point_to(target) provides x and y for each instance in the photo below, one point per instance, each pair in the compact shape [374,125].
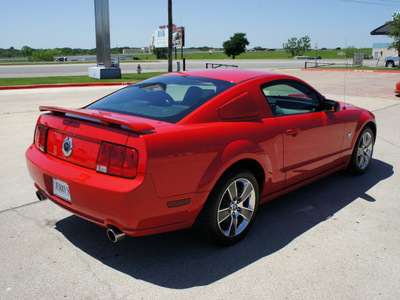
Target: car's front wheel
[230,209]
[362,153]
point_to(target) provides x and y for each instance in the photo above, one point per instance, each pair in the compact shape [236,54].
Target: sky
[70,23]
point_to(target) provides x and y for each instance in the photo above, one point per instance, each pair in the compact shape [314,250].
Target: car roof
[232,75]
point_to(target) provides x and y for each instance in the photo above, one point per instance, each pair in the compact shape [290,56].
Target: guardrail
[316,64]
[214,65]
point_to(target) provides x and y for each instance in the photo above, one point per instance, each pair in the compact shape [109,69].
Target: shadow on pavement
[182,259]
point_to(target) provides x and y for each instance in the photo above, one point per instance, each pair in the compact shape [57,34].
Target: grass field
[131,77]
[325,54]
[278,54]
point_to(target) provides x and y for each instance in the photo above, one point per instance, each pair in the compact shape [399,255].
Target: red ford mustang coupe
[200,148]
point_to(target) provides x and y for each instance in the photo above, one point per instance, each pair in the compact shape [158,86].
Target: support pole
[103,69]
[170,29]
[102,23]
[183,60]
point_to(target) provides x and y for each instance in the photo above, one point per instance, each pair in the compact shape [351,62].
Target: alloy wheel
[236,207]
[364,151]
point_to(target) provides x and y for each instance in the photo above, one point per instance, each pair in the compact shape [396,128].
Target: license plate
[61,190]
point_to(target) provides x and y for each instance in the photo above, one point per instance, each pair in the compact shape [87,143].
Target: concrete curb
[44,86]
[354,71]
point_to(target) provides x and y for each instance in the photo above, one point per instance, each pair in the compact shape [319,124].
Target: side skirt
[291,188]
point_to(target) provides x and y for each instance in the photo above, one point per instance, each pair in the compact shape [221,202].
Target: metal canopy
[383,30]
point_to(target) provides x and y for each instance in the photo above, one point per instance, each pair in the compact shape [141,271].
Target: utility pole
[170,29]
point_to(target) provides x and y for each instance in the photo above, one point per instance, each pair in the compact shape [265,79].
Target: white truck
[392,61]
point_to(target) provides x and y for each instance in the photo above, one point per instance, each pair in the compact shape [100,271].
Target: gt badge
[67,146]
[349,135]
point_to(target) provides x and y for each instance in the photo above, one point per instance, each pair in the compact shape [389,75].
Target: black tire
[362,152]
[230,208]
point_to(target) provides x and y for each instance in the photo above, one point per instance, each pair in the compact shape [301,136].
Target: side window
[290,98]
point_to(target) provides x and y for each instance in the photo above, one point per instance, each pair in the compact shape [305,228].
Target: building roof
[382,30]
[381,45]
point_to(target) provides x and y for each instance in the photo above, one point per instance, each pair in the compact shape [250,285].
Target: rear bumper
[131,205]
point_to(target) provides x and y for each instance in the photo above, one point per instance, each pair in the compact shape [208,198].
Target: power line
[380,3]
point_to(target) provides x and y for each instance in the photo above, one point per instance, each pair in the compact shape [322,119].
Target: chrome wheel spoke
[246,213]
[232,191]
[360,151]
[361,161]
[364,140]
[368,142]
[233,226]
[223,214]
[248,189]
[368,154]
[228,231]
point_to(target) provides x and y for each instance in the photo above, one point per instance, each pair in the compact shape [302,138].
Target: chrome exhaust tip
[115,235]
[40,196]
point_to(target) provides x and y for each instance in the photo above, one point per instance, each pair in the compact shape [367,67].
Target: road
[337,238]
[14,71]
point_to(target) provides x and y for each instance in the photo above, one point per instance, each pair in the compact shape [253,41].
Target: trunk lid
[87,129]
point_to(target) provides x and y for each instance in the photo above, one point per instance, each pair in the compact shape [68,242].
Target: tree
[161,53]
[349,51]
[205,48]
[259,48]
[41,55]
[299,46]
[54,52]
[292,46]
[305,44]
[26,51]
[395,33]
[236,45]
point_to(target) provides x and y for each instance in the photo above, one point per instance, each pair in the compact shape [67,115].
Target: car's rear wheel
[390,64]
[230,209]
[362,153]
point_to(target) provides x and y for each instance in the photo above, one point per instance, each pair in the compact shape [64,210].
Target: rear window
[167,99]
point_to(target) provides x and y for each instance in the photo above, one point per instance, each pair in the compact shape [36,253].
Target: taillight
[117,160]
[41,137]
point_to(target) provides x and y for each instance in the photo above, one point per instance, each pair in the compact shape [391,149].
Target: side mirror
[337,106]
[330,105]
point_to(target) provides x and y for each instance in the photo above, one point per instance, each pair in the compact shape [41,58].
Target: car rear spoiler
[106,118]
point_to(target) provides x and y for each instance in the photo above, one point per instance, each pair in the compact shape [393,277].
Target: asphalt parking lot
[337,238]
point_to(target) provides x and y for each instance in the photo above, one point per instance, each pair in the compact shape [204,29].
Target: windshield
[165,98]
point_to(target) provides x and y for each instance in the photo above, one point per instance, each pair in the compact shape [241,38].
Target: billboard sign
[178,37]
[161,37]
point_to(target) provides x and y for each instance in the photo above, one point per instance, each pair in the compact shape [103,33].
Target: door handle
[293,131]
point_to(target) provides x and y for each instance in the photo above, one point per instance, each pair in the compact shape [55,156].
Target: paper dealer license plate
[61,190]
